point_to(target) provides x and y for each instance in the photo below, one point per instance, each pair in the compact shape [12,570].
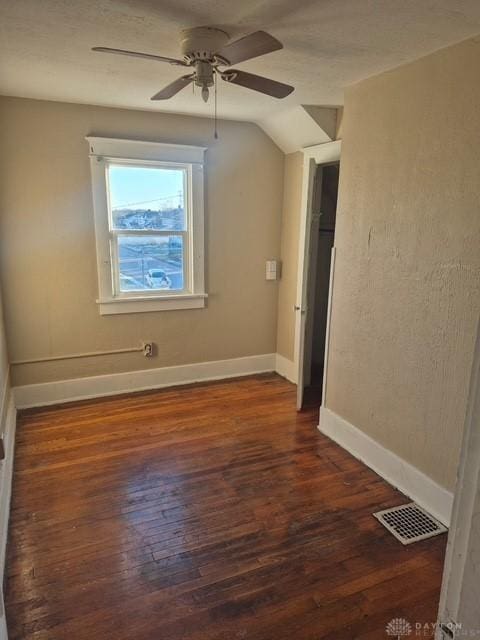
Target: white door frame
[312,156]
[463,537]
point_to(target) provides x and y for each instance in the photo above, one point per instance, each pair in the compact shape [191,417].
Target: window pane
[146,198]
[150,263]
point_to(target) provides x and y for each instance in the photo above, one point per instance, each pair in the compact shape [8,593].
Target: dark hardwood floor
[204,512]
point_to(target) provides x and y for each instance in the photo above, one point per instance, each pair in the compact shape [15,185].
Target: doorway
[316,161]
[322,235]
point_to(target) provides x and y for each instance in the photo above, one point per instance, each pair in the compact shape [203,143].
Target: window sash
[187,239]
[186,266]
[149,232]
[149,164]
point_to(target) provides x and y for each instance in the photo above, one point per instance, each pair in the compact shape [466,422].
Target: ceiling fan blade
[257,83]
[251,46]
[173,88]
[138,54]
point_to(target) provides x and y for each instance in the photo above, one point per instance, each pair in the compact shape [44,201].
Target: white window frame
[115,151]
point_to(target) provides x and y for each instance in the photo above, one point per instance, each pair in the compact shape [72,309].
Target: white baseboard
[43,394]
[285,368]
[408,479]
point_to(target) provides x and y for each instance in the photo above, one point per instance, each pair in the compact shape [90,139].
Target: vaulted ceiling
[328,44]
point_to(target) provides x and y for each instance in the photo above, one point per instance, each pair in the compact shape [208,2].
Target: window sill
[143,304]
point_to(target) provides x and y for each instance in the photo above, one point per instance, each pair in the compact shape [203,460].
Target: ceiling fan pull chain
[215,134]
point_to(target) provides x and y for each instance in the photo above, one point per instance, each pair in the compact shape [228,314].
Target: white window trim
[103,150]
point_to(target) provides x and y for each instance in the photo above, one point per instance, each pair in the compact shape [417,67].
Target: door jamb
[327,332]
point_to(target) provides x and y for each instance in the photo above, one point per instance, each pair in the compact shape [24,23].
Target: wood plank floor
[205,512]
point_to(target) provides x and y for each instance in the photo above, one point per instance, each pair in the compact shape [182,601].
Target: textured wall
[292,197]
[407,280]
[47,241]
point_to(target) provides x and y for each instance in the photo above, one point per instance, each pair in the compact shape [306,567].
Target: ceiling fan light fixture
[205,93]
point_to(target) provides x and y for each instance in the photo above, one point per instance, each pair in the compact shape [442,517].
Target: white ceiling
[329,44]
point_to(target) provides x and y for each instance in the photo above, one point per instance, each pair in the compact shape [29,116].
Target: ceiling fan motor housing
[202,43]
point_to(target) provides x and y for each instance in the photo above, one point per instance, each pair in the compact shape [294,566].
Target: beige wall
[48,247]
[407,279]
[292,195]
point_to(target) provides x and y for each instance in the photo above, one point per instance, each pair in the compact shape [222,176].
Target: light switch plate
[272,270]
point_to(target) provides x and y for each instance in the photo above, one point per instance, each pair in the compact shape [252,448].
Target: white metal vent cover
[409,523]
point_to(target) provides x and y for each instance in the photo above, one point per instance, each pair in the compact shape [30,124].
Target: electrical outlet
[147,349]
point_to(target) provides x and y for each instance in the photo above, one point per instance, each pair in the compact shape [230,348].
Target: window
[148,203]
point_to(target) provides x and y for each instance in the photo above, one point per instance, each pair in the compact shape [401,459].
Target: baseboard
[47,393]
[408,479]
[6,471]
[285,368]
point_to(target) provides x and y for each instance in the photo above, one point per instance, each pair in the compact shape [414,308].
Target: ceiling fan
[206,50]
